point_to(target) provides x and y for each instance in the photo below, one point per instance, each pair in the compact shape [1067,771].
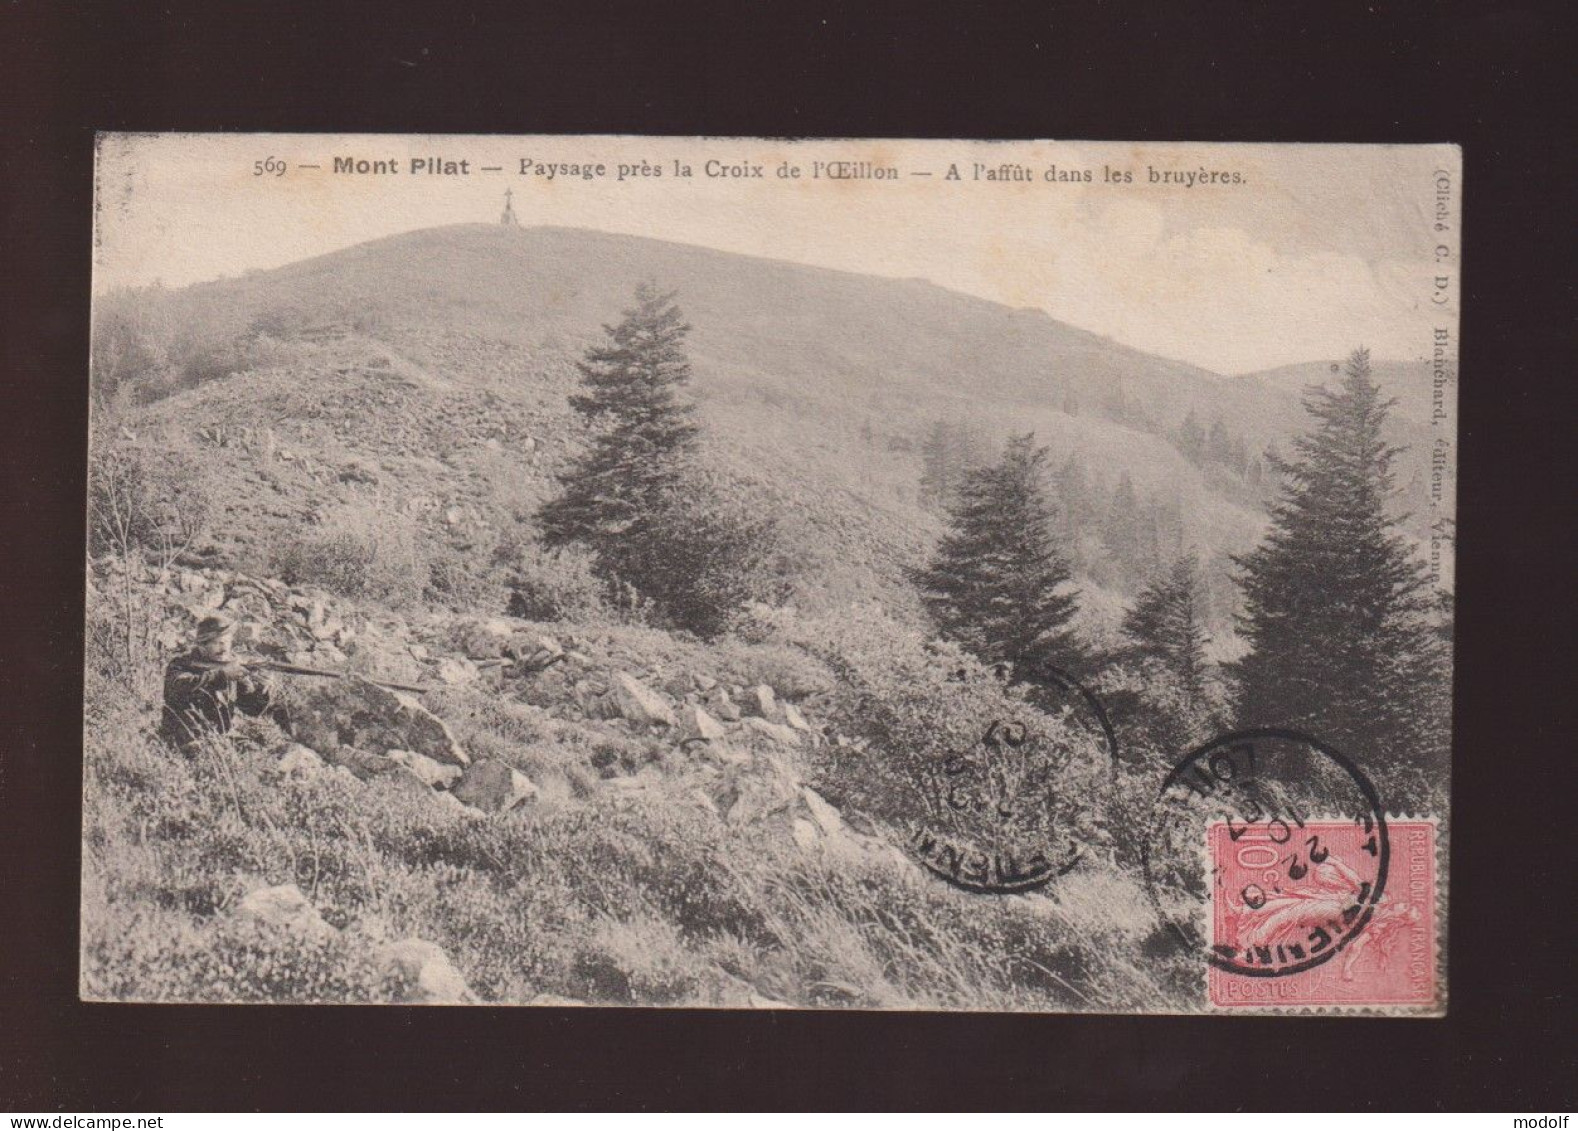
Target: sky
[1312,251]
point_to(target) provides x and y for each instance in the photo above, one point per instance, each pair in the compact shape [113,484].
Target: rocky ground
[518,726]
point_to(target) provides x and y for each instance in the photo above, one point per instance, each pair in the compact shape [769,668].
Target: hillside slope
[818,385]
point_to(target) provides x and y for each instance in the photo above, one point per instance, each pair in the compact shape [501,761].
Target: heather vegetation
[764,622]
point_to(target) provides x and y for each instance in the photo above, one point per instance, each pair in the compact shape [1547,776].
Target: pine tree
[1122,531]
[949,451]
[1336,606]
[1167,626]
[1238,456]
[997,584]
[643,433]
[936,472]
[1164,643]
[1218,445]
[1191,438]
[1073,499]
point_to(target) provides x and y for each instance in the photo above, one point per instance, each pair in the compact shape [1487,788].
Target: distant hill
[818,385]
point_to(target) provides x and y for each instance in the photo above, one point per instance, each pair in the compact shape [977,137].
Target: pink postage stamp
[1333,913]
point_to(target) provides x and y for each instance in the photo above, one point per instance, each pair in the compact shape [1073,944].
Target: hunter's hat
[213,627]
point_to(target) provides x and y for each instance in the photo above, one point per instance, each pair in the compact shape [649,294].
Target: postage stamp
[1294,923]
[1273,862]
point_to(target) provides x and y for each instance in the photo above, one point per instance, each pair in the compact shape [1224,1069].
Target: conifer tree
[936,465]
[1166,626]
[1073,499]
[1337,609]
[643,433]
[1122,530]
[997,584]
[949,451]
[1218,445]
[1192,438]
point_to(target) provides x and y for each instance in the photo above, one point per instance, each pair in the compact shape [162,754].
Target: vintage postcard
[762,574]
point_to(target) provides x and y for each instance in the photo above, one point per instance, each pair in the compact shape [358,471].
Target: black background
[1493,76]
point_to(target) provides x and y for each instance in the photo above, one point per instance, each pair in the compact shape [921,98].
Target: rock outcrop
[356,712]
[297,761]
[493,787]
[761,702]
[638,703]
[283,906]
[436,774]
[422,974]
[697,725]
[776,732]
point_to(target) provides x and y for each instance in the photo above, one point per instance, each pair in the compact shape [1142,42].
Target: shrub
[931,721]
[121,642]
[459,580]
[788,669]
[554,585]
[137,503]
[701,555]
[154,957]
[360,551]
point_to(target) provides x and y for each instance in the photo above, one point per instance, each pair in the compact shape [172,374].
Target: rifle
[538,661]
[532,664]
[298,669]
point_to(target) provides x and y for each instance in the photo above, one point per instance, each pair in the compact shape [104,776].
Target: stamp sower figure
[206,686]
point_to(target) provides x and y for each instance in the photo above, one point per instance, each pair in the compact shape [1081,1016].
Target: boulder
[727,754]
[695,723]
[805,834]
[762,703]
[325,629]
[283,906]
[482,639]
[794,718]
[423,973]
[366,766]
[435,774]
[456,672]
[723,705]
[777,732]
[637,702]
[493,787]
[380,651]
[822,826]
[748,795]
[327,713]
[449,801]
[827,818]
[298,761]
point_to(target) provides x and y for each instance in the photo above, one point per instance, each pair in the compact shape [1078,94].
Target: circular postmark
[1006,813]
[1267,852]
